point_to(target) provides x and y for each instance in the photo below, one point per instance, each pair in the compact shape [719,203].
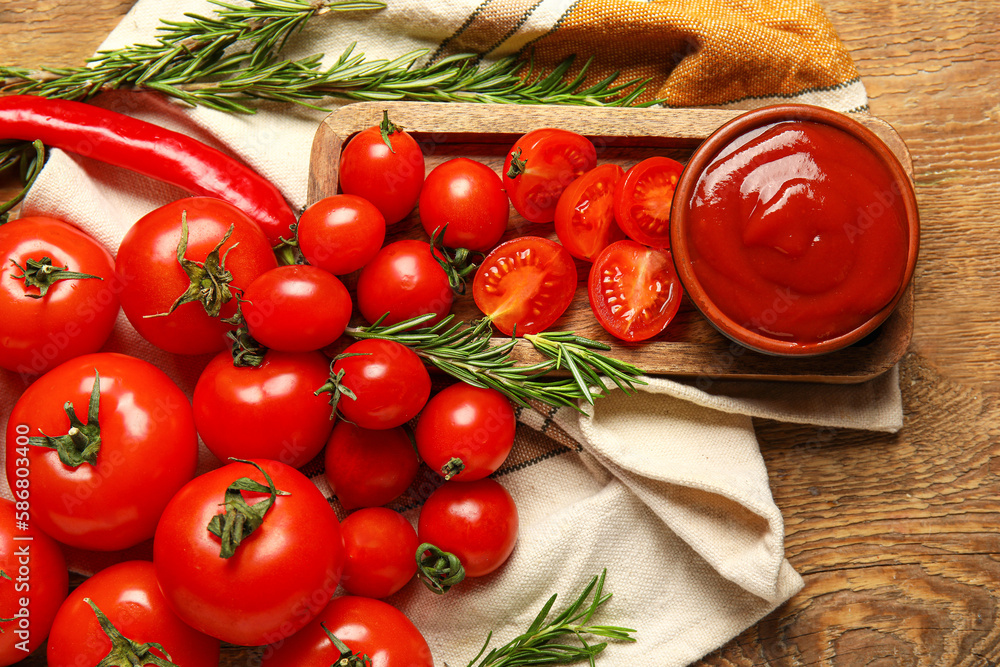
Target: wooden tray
[690,346]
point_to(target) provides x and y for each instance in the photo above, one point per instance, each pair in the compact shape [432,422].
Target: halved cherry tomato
[527,282]
[545,162]
[585,216]
[643,198]
[468,197]
[634,290]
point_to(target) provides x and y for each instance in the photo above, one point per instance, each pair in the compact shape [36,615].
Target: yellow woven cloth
[695,53]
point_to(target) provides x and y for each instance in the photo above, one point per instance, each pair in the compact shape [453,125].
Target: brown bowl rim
[707,151]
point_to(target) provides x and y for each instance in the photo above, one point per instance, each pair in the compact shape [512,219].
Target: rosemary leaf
[229,60]
[545,641]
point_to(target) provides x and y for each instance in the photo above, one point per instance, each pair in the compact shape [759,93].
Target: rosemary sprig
[193,61]
[543,642]
[464,351]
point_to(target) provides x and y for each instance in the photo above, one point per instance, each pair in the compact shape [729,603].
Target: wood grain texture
[690,346]
[896,535]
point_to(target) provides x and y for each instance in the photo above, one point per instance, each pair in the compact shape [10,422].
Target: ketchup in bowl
[797,233]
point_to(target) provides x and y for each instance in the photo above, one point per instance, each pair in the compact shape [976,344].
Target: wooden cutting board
[690,346]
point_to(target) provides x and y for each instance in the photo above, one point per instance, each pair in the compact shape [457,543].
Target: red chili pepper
[147,149]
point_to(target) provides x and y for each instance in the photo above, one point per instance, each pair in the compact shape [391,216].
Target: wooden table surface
[895,535]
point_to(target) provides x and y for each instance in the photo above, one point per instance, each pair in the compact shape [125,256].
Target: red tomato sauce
[798,232]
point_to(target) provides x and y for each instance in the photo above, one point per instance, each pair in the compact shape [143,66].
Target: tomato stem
[454,466]
[517,165]
[439,570]
[83,441]
[348,658]
[387,127]
[209,280]
[240,519]
[42,274]
[126,652]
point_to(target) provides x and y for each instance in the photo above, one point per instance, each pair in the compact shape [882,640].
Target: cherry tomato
[153,279]
[404,280]
[267,411]
[34,571]
[129,596]
[296,308]
[389,178]
[527,282]
[468,197]
[634,290]
[585,216]
[279,577]
[389,381]
[340,234]
[547,160]
[380,545]
[465,433]
[368,468]
[148,449]
[367,626]
[643,198]
[74,317]
[477,521]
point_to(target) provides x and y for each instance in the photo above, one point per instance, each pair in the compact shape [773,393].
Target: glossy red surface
[796,230]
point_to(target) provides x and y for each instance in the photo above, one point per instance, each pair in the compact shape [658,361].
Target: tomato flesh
[643,198]
[527,283]
[552,160]
[585,216]
[634,290]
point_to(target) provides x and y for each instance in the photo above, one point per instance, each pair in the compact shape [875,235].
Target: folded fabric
[666,488]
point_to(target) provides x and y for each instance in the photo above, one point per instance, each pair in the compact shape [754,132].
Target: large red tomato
[366,626]
[123,451]
[153,278]
[278,577]
[389,382]
[130,598]
[390,178]
[540,165]
[268,411]
[46,319]
[34,580]
[477,521]
[468,198]
[465,432]
[527,282]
